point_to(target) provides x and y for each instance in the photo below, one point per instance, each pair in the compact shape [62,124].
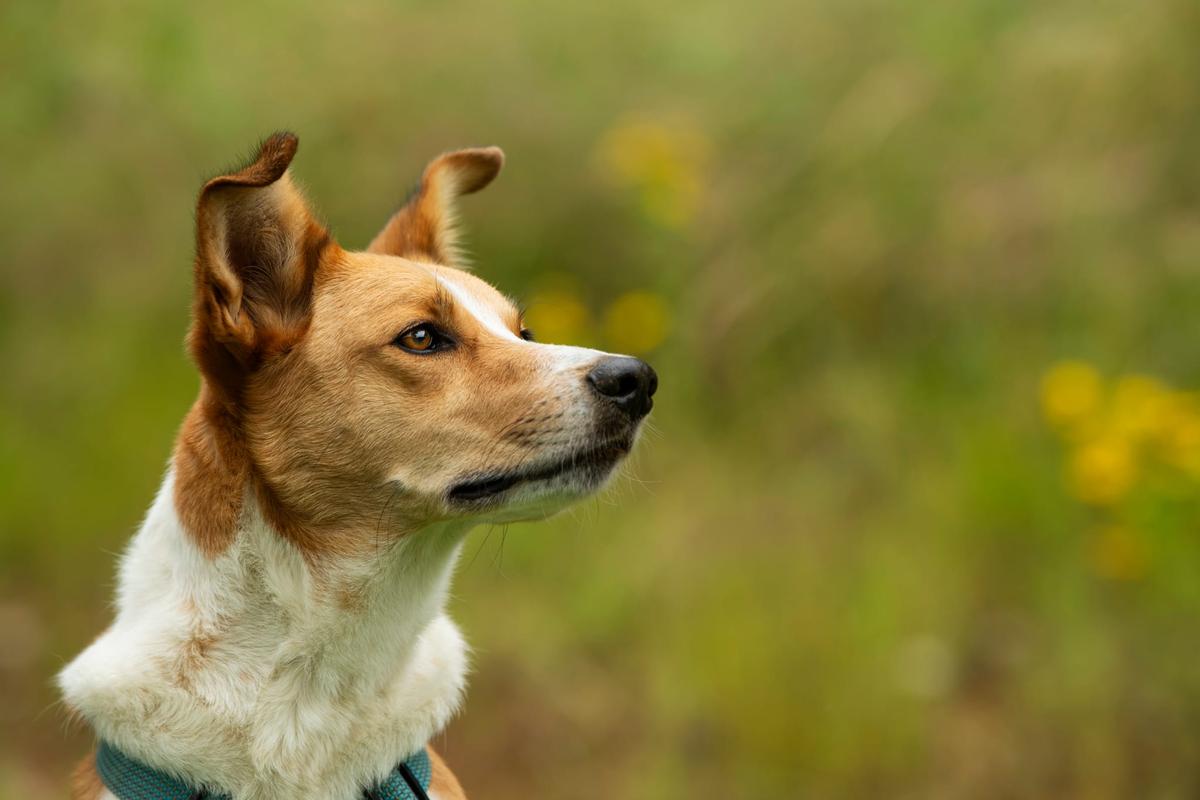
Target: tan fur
[192,655]
[424,228]
[318,476]
[295,352]
[444,785]
[85,780]
[211,469]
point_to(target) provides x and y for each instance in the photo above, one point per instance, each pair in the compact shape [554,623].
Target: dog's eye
[422,339]
[527,334]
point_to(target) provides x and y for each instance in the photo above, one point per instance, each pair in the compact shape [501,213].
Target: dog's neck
[262,676]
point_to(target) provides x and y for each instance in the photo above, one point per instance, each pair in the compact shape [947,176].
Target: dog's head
[386,389]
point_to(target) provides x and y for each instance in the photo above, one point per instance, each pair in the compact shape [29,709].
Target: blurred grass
[848,561]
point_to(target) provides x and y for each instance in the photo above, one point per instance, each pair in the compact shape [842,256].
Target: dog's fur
[280,628]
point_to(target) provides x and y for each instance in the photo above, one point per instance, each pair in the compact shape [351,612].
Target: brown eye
[422,339]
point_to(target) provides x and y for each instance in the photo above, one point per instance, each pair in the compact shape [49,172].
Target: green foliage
[851,236]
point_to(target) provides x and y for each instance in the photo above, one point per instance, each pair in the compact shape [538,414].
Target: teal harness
[133,780]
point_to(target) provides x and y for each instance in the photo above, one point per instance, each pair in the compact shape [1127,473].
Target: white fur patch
[482,312]
[288,694]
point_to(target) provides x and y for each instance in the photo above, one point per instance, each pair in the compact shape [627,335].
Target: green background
[845,562]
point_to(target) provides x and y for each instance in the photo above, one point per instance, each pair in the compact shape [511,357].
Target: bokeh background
[919,513]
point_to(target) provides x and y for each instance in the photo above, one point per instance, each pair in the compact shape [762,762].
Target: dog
[280,628]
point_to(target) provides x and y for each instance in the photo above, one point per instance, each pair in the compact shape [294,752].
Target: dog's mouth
[591,465]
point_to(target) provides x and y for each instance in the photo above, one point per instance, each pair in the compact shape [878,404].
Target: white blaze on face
[485,314]
[559,358]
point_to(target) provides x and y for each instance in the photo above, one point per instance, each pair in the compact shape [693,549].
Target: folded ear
[424,229]
[257,250]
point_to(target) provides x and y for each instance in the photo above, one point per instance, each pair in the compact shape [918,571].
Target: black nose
[628,382]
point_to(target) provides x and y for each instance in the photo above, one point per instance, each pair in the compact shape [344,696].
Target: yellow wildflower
[1179,435]
[636,322]
[662,162]
[1102,472]
[1139,406]
[558,316]
[1071,393]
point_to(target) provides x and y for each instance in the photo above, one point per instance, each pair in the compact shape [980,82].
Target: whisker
[383,512]
[479,549]
[498,562]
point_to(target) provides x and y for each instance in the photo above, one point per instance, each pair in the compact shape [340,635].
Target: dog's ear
[424,228]
[257,250]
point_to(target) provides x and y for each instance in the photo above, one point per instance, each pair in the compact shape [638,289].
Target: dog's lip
[482,487]
[490,484]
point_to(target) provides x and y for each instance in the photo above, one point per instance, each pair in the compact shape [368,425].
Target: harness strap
[129,779]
